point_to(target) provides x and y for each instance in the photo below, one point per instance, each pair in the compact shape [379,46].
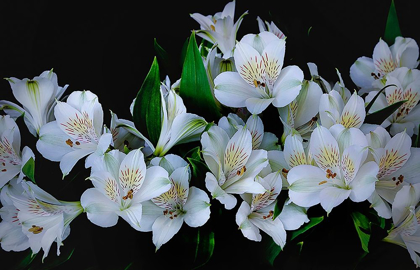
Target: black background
[107,47]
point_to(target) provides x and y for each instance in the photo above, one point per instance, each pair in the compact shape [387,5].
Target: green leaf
[277,209]
[270,250]
[148,105]
[162,55]
[54,263]
[26,261]
[392,28]
[417,142]
[195,88]
[362,225]
[29,169]
[379,116]
[313,221]
[204,247]
[375,97]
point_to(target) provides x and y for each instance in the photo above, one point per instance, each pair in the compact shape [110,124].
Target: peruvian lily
[261,79]
[402,84]
[37,97]
[233,164]
[43,218]
[121,184]
[220,29]
[301,114]
[398,166]
[406,219]
[260,139]
[77,132]
[338,86]
[12,238]
[333,110]
[178,126]
[257,212]
[365,70]
[165,214]
[270,27]
[12,159]
[338,175]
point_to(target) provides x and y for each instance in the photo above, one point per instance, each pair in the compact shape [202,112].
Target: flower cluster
[331,144]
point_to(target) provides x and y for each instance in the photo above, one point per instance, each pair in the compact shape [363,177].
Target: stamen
[35,229]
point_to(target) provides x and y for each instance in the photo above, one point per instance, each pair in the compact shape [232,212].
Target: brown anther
[77,143]
[314,119]
[69,142]
[35,229]
[322,182]
[129,195]
[241,171]
[4,170]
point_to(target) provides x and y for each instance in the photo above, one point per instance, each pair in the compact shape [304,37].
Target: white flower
[121,183]
[220,29]
[77,132]
[256,212]
[339,174]
[12,159]
[11,235]
[406,218]
[402,84]
[37,97]
[261,79]
[397,167]
[43,218]
[165,214]
[365,70]
[233,164]
[270,27]
[178,126]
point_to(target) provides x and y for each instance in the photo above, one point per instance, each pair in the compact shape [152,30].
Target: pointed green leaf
[392,28]
[29,169]
[195,88]
[379,116]
[313,221]
[148,105]
[26,261]
[277,209]
[375,97]
[362,225]
[270,250]
[204,247]
[162,55]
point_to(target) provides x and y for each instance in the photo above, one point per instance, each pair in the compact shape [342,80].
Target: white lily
[260,138]
[301,114]
[165,214]
[233,164]
[338,175]
[12,159]
[402,84]
[406,218]
[37,96]
[397,167]
[43,218]
[220,29]
[261,79]
[270,27]
[178,126]
[365,70]
[256,212]
[121,184]
[77,132]
[12,237]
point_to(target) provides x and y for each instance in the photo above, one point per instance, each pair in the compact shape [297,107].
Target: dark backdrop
[107,47]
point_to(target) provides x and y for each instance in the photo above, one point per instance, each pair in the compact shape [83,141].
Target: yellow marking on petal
[348,168]
[385,66]
[390,162]
[350,120]
[328,157]
[212,27]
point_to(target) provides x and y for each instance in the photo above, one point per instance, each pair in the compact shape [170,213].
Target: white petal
[331,197]
[232,91]
[353,114]
[256,127]
[306,183]
[99,209]
[164,229]
[273,228]
[308,102]
[70,159]
[52,142]
[382,58]
[287,86]
[381,206]
[293,216]
[248,229]
[228,200]
[132,215]
[197,207]
[155,183]
[324,149]
[361,70]
[257,105]
[363,185]
[249,64]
